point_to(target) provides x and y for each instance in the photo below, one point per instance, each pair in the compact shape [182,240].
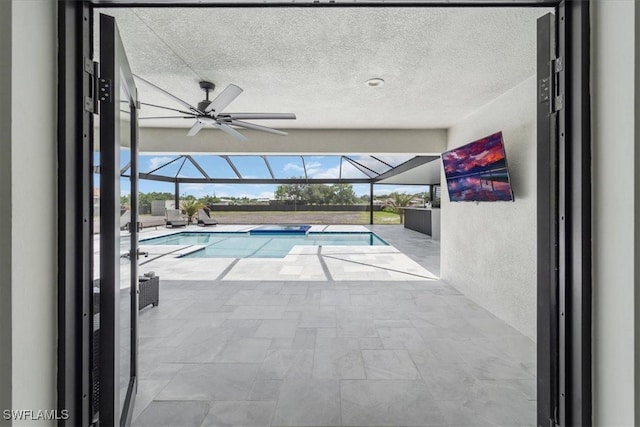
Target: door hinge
[105,90]
[89,104]
[557,65]
[91,68]
[557,104]
[544,90]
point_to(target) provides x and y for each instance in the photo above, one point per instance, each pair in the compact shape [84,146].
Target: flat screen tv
[478,171]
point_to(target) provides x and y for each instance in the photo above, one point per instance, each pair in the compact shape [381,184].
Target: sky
[255,167]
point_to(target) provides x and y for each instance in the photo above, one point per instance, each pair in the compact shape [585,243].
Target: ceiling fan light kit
[209,112]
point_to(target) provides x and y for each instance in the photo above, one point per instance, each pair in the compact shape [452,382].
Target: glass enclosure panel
[350,171]
[146,186]
[152,196]
[362,191]
[286,166]
[371,162]
[215,166]
[322,167]
[251,166]
[148,163]
[125,156]
[395,159]
[369,165]
[171,169]
[190,171]
[126,247]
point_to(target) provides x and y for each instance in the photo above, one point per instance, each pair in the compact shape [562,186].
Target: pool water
[244,245]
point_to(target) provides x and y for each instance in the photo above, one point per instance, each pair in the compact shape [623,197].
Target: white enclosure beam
[299,141]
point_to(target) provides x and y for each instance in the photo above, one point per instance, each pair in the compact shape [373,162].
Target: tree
[281,192]
[293,192]
[296,191]
[318,194]
[343,194]
[145,199]
[395,202]
[209,200]
[125,201]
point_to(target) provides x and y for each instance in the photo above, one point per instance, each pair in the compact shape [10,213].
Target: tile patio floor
[331,352]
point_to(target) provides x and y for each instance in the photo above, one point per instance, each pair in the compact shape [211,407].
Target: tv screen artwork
[478,171]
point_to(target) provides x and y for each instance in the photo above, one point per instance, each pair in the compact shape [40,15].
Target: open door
[547,171]
[115,354]
[564,217]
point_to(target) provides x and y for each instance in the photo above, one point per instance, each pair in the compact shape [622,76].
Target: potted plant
[190,207]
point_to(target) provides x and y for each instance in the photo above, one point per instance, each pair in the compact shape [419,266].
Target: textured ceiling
[439,64]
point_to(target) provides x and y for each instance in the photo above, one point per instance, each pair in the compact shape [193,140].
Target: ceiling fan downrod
[207,87]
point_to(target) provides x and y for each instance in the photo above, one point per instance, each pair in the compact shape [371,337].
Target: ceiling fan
[209,112]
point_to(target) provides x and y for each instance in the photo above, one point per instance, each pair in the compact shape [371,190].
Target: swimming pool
[245,245]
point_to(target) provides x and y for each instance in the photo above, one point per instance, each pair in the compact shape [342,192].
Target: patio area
[397,350]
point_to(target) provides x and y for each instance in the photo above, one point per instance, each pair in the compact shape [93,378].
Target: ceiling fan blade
[231,131]
[196,128]
[166,108]
[225,98]
[256,116]
[257,127]
[175,98]
[166,117]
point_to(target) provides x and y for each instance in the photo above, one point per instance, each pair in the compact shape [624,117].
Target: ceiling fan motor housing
[202,105]
[206,87]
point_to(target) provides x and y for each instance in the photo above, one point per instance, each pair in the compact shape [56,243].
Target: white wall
[488,250]
[33,203]
[616,167]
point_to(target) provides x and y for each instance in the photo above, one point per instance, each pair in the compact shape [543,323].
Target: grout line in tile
[324,265]
[227,270]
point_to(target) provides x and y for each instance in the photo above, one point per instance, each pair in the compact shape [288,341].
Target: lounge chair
[204,218]
[174,218]
[125,219]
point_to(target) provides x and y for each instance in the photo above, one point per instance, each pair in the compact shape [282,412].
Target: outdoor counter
[424,220]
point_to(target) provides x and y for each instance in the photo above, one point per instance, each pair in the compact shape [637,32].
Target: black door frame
[570,207]
[114,69]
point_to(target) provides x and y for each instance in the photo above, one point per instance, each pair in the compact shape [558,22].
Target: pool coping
[344,263]
[191,249]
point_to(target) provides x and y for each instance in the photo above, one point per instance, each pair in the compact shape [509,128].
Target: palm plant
[190,208]
[395,202]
